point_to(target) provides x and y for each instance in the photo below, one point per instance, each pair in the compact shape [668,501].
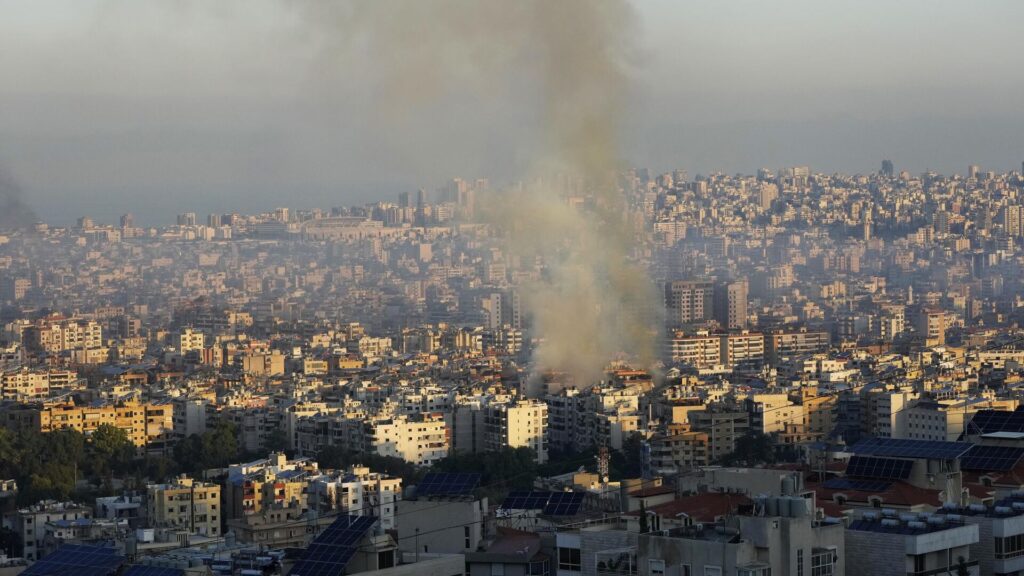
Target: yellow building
[185,504]
[142,422]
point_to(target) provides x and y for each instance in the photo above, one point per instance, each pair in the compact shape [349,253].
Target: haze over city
[163,107]
[511,288]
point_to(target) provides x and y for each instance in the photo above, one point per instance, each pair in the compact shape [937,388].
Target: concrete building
[777,536]
[185,504]
[357,492]
[30,524]
[689,302]
[887,544]
[521,424]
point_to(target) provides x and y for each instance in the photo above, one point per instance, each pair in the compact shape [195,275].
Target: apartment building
[185,504]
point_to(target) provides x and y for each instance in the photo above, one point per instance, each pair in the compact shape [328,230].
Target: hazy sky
[164,107]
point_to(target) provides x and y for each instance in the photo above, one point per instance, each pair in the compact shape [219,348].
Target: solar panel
[448,484]
[991,458]
[989,421]
[857,485]
[564,504]
[526,500]
[880,468]
[904,448]
[77,560]
[142,570]
[332,549]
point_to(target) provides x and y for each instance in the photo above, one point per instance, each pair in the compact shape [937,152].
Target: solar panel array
[991,458]
[549,503]
[524,500]
[879,468]
[78,560]
[331,551]
[142,570]
[448,484]
[989,421]
[857,485]
[903,448]
[564,504]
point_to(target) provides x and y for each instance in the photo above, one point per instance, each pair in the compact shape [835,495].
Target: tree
[751,449]
[961,567]
[629,461]
[277,441]
[216,448]
[112,450]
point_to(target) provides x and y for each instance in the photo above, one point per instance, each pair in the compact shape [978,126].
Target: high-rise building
[887,168]
[688,302]
[973,170]
[931,326]
[127,221]
[730,303]
[940,222]
[187,219]
[1010,218]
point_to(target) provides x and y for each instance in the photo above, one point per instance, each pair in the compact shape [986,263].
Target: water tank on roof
[1003,510]
[976,507]
[788,486]
[891,522]
[888,512]
[917,525]
[772,508]
[799,507]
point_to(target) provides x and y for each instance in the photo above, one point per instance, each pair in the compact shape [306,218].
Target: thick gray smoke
[591,302]
[589,305]
[14,213]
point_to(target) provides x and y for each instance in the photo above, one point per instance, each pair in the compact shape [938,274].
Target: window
[497,569]
[1009,547]
[823,564]
[569,559]
[800,562]
[711,570]
[919,562]
[656,567]
[684,570]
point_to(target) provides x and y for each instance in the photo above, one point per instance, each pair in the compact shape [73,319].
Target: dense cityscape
[829,384]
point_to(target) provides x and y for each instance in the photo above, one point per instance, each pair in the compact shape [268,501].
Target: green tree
[751,449]
[112,451]
[277,441]
[215,448]
[629,461]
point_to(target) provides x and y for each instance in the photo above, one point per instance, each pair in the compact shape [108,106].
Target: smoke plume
[14,213]
[591,302]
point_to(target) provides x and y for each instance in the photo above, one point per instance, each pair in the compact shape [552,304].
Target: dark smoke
[14,213]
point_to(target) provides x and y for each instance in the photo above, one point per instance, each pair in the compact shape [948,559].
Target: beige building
[743,349]
[701,350]
[521,424]
[185,504]
[60,335]
[142,422]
